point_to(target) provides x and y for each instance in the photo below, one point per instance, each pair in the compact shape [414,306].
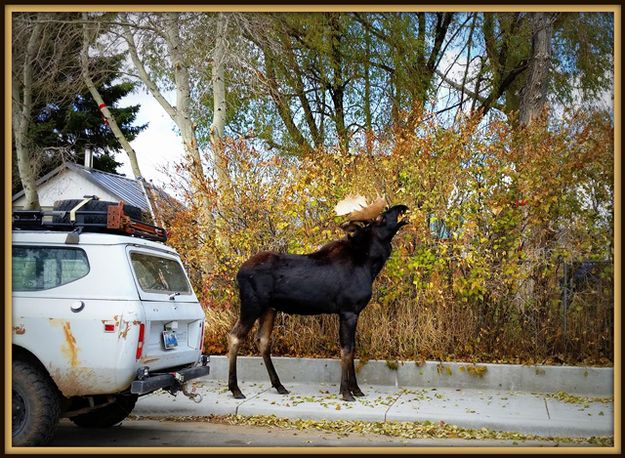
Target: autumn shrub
[496,212]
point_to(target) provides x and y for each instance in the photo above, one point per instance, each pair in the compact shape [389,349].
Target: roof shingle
[126,189]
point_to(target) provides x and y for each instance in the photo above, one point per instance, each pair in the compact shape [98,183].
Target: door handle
[77,306]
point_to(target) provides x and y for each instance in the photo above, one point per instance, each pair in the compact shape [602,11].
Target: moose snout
[402,214]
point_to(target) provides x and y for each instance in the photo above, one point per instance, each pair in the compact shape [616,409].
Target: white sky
[158,145]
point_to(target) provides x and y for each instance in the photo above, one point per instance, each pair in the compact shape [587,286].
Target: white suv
[99,319]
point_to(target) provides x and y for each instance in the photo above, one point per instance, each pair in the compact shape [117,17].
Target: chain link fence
[587,299]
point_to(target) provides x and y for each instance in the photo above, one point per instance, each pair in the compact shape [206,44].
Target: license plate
[169,340]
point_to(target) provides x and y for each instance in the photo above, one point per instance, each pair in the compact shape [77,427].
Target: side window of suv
[41,268]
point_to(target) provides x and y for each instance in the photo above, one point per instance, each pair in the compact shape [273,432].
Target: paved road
[153,433]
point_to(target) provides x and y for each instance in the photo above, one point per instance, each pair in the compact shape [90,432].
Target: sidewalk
[496,409]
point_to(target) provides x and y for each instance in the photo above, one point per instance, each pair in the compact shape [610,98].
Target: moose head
[371,220]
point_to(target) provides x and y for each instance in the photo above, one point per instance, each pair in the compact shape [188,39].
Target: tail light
[201,342]
[141,340]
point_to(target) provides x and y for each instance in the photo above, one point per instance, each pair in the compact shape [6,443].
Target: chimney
[88,158]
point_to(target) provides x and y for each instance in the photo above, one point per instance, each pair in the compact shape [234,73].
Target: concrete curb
[588,381]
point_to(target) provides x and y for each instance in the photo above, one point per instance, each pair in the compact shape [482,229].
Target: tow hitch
[195,397]
[171,381]
[187,389]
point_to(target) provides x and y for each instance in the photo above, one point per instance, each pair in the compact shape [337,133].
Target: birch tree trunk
[110,119]
[219,102]
[183,93]
[367,95]
[181,112]
[22,105]
[112,123]
[534,92]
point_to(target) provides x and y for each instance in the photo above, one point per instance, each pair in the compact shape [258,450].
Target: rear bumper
[148,383]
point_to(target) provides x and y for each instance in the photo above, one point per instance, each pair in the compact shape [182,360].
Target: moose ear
[351,228]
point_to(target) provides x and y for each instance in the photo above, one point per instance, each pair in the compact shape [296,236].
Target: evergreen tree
[61,131]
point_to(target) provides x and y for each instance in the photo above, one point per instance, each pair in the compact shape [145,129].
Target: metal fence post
[565,302]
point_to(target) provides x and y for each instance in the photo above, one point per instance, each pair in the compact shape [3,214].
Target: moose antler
[358,209]
[350,204]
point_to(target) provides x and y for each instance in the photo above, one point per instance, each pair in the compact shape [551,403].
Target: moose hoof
[282,390]
[348,397]
[358,392]
[237,394]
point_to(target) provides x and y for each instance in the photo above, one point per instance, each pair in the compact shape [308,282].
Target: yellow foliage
[477,273]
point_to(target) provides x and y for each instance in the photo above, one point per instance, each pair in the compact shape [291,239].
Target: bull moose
[335,279]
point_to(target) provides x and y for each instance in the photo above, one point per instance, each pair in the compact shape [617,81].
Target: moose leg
[353,384]
[347,333]
[238,333]
[263,337]
[354,388]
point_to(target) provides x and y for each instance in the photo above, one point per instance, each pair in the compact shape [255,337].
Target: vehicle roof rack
[78,221]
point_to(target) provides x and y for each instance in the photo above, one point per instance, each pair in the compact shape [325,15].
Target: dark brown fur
[337,278]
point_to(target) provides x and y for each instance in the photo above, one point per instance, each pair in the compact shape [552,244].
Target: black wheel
[94,205]
[109,415]
[36,405]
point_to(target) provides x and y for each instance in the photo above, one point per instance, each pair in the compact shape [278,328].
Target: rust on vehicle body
[123,333]
[81,381]
[127,326]
[19,329]
[69,347]
[149,360]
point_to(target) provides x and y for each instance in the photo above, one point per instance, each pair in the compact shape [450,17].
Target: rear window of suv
[157,274]
[41,268]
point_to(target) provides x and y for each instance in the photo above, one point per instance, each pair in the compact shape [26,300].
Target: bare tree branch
[143,74]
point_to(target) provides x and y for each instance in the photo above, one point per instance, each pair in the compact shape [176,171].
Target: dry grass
[429,329]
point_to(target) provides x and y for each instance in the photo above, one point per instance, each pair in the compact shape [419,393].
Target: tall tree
[535,90]
[409,49]
[44,70]
[569,53]
[65,120]
[22,104]
[329,87]
[289,75]
[160,52]
[219,99]
[66,128]
[88,37]
[507,48]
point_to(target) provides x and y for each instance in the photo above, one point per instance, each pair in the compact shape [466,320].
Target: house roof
[126,189]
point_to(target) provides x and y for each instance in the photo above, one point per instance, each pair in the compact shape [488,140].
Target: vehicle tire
[36,405]
[94,205]
[107,416]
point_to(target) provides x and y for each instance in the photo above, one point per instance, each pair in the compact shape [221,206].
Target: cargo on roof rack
[89,215]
